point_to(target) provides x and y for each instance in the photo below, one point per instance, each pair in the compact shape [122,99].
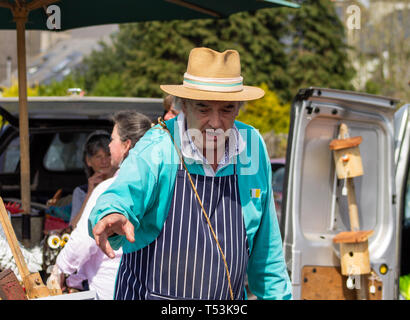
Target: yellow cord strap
[164,126]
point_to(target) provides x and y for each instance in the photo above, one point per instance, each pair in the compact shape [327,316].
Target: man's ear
[183,106]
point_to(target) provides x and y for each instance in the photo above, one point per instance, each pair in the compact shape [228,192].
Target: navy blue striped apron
[184,261]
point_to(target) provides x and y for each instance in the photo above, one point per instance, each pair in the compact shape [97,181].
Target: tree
[148,54]
[102,64]
[266,114]
[318,52]
[111,84]
[385,42]
[282,47]
[60,88]
[271,118]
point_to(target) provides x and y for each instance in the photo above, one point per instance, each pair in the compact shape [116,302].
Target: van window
[277,188]
[10,158]
[277,180]
[65,152]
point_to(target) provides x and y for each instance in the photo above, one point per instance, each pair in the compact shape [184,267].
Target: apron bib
[184,261]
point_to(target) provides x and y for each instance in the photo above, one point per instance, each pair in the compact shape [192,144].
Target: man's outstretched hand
[114,223]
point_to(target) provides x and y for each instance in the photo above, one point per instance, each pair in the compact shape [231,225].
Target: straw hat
[212,75]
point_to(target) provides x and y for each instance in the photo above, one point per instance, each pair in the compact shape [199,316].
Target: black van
[58,127]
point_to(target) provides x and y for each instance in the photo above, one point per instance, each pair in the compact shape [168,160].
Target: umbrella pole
[20,17]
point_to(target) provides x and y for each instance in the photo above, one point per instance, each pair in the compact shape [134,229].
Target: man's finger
[128,229]
[98,230]
[102,241]
[106,248]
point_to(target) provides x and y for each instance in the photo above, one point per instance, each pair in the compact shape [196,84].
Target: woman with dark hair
[81,258]
[129,127]
[97,166]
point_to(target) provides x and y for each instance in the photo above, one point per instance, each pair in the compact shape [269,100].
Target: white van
[315,207]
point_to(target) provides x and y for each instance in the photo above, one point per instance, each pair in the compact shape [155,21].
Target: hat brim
[248,93]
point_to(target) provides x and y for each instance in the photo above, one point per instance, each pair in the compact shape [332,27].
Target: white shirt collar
[235,145]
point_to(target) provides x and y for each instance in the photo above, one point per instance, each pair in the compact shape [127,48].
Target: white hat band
[213,84]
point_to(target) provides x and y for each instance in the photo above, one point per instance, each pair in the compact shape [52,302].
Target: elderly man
[192,206]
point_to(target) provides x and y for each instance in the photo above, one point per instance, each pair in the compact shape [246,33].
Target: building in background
[50,55]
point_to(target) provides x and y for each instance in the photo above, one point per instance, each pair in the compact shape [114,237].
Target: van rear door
[314,208]
[402,159]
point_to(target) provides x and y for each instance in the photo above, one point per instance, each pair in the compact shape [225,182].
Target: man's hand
[114,223]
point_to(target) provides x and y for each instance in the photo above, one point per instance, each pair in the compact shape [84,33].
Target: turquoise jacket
[144,188]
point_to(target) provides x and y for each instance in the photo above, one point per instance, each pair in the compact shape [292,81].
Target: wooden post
[343,131]
[353,210]
[354,253]
[20,11]
[20,15]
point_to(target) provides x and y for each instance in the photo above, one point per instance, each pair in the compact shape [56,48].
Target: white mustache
[216,132]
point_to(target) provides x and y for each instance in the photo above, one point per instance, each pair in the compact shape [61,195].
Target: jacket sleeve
[133,191]
[267,273]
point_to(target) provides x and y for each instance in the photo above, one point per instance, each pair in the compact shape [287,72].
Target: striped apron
[184,261]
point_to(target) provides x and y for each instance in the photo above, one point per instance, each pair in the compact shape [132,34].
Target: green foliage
[372,87]
[148,54]
[60,88]
[266,114]
[101,63]
[404,286]
[318,55]
[284,48]
[109,85]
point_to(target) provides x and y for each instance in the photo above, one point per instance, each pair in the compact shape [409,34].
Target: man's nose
[215,120]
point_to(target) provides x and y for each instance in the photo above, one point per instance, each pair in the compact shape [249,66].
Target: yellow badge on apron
[255,193]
